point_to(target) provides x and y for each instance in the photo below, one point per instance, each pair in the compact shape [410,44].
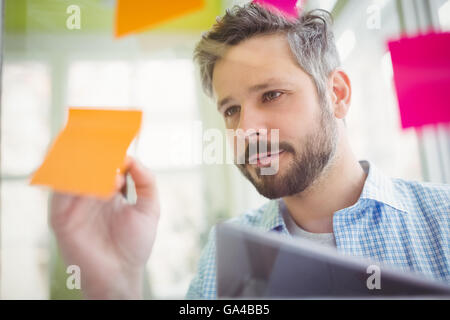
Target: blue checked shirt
[401,223]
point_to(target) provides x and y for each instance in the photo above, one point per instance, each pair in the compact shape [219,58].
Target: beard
[318,149]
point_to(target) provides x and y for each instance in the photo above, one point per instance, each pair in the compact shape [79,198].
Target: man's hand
[110,240]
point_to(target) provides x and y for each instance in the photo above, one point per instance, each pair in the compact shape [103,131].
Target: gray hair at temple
[310,39]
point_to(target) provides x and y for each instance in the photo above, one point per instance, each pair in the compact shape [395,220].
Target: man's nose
[252,122]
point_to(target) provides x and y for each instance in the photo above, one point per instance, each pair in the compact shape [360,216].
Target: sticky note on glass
[286,7]
[137,15]
[421,67]
[86,155]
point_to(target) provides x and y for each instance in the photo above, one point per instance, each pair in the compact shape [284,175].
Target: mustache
[254,148]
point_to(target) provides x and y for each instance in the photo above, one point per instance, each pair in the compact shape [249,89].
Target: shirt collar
[381,188]
[377,187]
[272,218]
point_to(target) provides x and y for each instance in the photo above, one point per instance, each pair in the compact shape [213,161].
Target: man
[267,72]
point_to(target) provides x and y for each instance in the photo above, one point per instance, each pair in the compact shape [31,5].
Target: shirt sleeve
[203,285]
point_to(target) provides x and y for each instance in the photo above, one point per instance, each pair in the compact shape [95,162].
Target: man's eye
[232,110]
[271,95]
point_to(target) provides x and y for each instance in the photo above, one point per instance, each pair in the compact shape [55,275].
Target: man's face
[259,86]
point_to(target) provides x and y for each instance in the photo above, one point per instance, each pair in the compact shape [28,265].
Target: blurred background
[48,67]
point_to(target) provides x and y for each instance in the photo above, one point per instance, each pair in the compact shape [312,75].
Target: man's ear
[341,93]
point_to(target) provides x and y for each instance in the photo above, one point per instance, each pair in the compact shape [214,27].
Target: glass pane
[25,253]
[99,84]
[167,145]
[174,256]
[373,121]
[26,96]
[444,15]
[166,86]
[147,85]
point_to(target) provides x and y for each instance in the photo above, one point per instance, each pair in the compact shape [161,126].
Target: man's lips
[264,158]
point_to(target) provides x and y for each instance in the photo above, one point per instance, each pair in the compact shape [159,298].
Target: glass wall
[48,68]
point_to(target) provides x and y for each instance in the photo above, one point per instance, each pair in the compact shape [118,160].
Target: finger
[145,185]
[121,177]
[120,181]
[60,205]
[124,188]
[124,168]
[61,202]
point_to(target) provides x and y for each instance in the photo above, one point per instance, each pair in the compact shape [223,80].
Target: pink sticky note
[422,78]
[286,7]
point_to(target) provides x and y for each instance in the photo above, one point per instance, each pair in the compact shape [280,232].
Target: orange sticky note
[136,15]
[86,155]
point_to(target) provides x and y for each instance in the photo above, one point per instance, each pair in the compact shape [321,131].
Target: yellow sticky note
[86,155]
[136,15]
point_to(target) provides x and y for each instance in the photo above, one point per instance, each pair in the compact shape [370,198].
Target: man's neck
[338,187]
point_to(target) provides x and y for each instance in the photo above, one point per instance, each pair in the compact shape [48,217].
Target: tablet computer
[257,264]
